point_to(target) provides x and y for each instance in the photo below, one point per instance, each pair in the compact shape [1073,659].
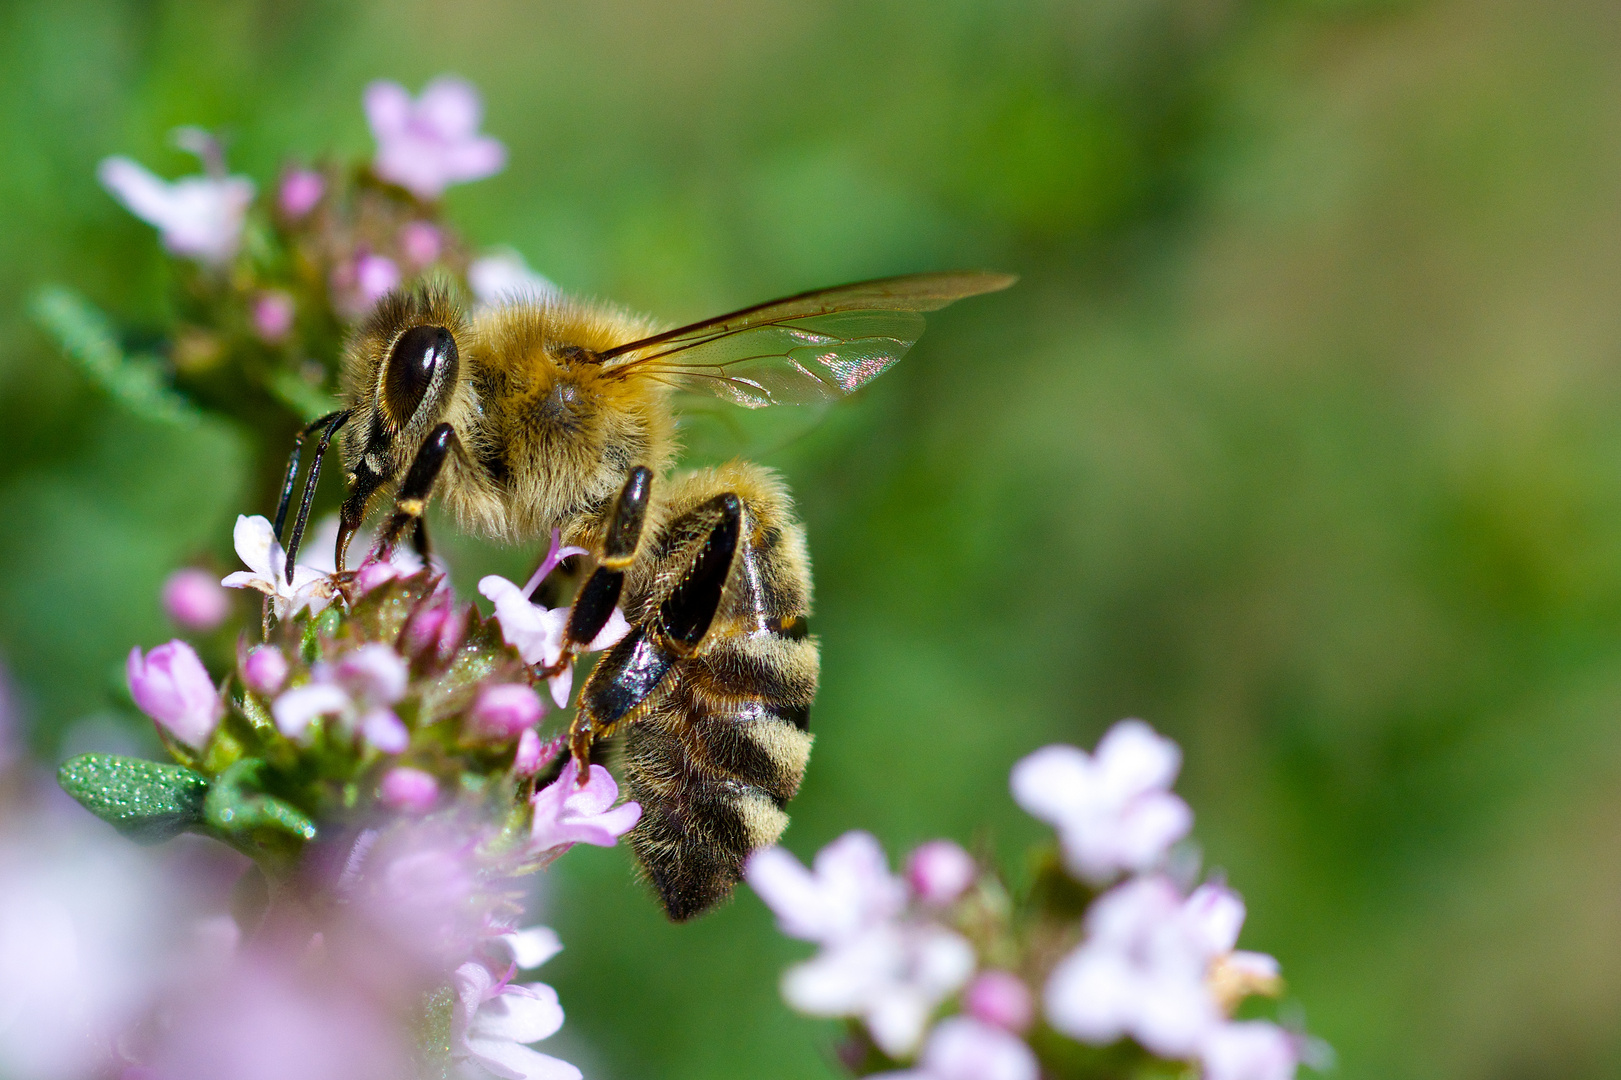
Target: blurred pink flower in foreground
[940,871]
[965,1049]
[505,711]
[171,686]
[193,598]
[1113,809]
[430,143]
[265,670]
[199,217]
[1000,998]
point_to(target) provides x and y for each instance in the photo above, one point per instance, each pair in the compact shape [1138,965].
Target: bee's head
[402,370]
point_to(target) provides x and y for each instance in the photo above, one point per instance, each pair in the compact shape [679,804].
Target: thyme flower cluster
[1109,964]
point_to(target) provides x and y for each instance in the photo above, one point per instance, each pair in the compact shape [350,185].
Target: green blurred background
[1301,438]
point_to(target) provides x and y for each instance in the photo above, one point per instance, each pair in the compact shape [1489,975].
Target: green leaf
[145,800]
[233,806]
[85,336]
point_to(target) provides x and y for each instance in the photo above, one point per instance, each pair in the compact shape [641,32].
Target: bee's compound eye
[420,355]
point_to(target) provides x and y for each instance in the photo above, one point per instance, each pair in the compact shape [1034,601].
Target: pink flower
[405,788]
[849,890]
[358,690]
[171,686]
[300,190]
[495,1019]
[194,599]
[1113,810]
[1000,998]
[536,631]
[940,871]
[566,814]
[506,710]
[269,1018]
[504,276]
[1250,1050]
[199,217]
[265,670]
[421,243]
[426,145]
[1143,969]
[892,976]
[273,316]
[375,275]
[533,755]
[964,1049]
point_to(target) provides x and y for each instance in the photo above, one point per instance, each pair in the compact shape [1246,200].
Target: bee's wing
[805,349]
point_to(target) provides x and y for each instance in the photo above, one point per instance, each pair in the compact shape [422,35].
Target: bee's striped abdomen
[723,744]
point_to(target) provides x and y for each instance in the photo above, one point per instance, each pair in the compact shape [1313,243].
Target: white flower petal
[1132,758]
[522,1014]
[514,1062]
[532,947]
[295,708]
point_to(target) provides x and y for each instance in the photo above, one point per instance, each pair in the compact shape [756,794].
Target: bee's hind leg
[633,669]
[412,501]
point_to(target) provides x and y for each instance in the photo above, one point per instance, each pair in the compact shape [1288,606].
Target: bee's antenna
[333,422]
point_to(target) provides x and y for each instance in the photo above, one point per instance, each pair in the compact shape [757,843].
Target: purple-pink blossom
[265,670]
[300,191]
[848,888]
[566,813]
[194,599]
[1250,1050]
[420,243]
[1113,810]
[505,711]
[199,217]
[940,871]
[273,316]
[430,143]
[961,1048]
[405,788]
[496,1019]
[358,689]
[1000,998]
[171,686]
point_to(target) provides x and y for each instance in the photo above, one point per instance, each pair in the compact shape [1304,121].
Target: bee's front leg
[412,501]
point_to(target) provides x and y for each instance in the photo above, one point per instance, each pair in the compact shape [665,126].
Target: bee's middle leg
[594,604]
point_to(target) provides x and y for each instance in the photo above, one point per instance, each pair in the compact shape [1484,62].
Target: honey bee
[555,413]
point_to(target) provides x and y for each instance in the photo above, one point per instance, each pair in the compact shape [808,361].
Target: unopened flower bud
[939,871]
[408,789]
[171,686]
[300,190]
[273,316]
[375,275]
[194,599]
[421,243]
[265,670]
[1000,998]
[533,754]
[506,711]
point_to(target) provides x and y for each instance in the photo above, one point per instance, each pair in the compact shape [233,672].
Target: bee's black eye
[418,358]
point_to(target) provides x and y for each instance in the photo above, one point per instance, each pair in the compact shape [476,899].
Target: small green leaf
[144,800]
[86,337]
[233,807]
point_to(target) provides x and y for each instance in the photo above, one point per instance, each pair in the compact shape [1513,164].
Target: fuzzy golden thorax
[548,436]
